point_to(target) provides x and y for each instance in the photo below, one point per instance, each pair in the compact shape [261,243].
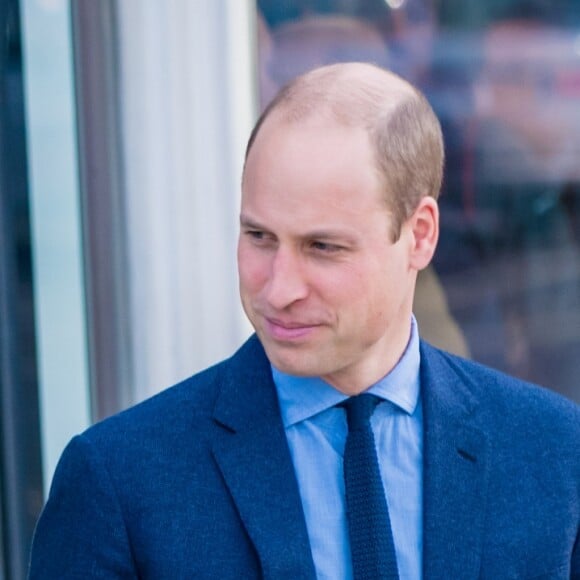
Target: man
[238,471]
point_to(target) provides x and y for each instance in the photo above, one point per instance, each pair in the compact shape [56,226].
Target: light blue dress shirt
[316,430]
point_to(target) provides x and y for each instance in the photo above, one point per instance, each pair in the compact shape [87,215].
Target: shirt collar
[303,397]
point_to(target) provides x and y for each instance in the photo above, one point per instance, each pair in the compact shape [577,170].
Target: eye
[325,247]
[255,234]
[259,238]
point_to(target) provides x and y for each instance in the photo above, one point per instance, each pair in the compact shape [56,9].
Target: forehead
[301,175]
[282,139]
[317,148]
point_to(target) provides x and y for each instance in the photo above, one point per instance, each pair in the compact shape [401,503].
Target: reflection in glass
[504,78]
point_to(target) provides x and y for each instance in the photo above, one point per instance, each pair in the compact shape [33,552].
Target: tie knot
[359,410]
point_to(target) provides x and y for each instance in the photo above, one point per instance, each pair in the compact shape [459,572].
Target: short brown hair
[403,129]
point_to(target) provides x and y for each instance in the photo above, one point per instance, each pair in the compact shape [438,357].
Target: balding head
[404,132]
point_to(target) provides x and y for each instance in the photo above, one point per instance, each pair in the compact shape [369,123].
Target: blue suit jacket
[198,482]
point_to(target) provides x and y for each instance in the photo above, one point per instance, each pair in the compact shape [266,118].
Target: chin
[291,363]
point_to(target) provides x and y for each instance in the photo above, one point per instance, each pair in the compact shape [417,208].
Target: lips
[285,330]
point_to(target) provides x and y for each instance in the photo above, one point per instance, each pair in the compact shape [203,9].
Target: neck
[355,379]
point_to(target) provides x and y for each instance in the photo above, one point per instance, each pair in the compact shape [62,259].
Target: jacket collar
[456,468]
[252,453]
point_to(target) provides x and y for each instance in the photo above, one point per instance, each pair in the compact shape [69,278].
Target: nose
[287,283]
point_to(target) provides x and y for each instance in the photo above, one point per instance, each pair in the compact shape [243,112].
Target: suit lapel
[253,456]
[456,468]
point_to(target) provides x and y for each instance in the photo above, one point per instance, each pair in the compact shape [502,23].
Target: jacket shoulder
[503,399]
[178,411]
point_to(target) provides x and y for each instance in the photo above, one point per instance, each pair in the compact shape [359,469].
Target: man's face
[327,291]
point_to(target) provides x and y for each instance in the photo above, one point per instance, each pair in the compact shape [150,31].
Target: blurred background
[122,130]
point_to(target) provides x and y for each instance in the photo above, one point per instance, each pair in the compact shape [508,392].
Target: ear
[424,226]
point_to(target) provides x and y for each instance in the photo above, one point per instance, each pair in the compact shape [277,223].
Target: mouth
[288,331]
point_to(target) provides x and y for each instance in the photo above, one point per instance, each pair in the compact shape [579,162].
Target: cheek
[370,295]
[349,290]
[252,269]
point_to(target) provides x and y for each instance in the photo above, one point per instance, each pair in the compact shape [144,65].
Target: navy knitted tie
[369,526]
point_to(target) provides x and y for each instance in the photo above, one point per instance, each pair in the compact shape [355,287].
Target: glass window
[20,453]
[504,78]
[165,104]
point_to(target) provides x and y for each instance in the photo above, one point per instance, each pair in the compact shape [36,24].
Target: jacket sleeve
[81,532]
[575,573]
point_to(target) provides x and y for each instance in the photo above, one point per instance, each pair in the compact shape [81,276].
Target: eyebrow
[319,234]
[249,222]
